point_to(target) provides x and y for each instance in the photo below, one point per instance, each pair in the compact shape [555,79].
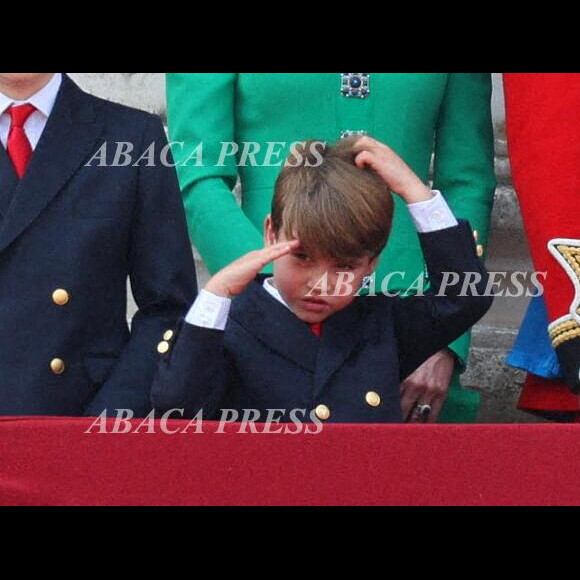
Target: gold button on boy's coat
[323,412]
[57,366]
[168,335]
[60,297]
[481,251]
[163,347]
[374,399]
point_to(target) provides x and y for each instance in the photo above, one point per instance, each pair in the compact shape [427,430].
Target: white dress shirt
[43,101]
[212,312]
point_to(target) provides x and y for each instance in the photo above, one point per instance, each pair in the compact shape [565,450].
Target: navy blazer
[70,237]
[269,359]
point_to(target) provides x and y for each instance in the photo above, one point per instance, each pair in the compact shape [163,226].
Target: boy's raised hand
[392,169]
[236,277]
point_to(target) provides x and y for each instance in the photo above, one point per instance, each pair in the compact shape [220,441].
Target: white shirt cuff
[210,311]
[433,215]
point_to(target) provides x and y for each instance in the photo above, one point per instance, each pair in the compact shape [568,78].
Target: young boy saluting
[303,340]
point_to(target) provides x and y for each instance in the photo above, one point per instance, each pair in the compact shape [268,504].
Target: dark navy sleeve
[426,324]
[195,375]
[162,274]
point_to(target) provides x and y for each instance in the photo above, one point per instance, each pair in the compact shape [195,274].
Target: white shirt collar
[274,292]
[43,100]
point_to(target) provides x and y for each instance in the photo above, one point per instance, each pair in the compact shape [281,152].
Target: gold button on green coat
[417,114]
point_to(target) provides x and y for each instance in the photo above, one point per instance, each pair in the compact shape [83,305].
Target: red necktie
[18,146]
[317,329]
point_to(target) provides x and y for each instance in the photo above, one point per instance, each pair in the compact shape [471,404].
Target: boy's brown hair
[334,208]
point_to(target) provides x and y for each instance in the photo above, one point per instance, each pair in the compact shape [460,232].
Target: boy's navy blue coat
[84,230]
[269,359]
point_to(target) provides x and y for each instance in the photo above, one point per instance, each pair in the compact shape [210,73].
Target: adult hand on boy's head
[428,386]
[236,277]
[392,169]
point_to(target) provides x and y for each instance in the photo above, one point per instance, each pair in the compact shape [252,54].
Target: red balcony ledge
[54,462]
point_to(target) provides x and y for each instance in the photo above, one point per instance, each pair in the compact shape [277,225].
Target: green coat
[415,113]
